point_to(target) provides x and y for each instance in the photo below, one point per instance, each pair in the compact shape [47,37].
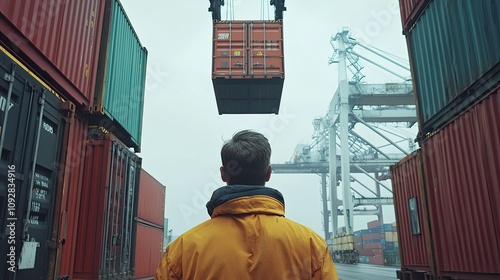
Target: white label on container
[3,102]
[223,36]
[48,128]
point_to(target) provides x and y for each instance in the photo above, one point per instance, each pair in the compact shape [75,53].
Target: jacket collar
[244,199]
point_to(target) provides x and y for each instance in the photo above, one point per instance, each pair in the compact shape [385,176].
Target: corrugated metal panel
[66,33]
[32,140]
[120,91]
[410,11]
[407,184]
[148,250]
[151,204]
[462,161]
[105,243]
[248,66]
[74,152]
[455,52]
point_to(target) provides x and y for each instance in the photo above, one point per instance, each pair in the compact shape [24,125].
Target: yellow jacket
[247,237]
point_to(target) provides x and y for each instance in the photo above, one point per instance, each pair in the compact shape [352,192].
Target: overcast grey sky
[182,131]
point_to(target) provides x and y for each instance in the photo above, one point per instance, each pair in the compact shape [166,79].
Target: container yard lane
[365,272]
[11,218]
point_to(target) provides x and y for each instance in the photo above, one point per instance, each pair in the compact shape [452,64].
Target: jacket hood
[244,199]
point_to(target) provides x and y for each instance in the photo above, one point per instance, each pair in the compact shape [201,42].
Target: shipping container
[410,11]
[69,192]
[121,78]
[411,214]
[454,54]
[461,166]
[248,66]
[59,39]
[373,245]
[148,250]
[377,260]
[30,149]
[373,224]
[373,236]
[151,199]
[105,238]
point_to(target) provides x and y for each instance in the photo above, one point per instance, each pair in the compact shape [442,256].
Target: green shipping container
[121,78]
[454,50]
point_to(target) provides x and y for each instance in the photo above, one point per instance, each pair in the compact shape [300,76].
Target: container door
[230,55]
[30,151]
[116,259]
[265,50]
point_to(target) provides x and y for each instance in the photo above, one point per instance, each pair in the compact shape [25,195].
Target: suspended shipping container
[105,239]
[454,51]
[151,207]
[248,66]
[461,166]
[411,215]
[59,39]
[148,250]
[30,149]
[121,82]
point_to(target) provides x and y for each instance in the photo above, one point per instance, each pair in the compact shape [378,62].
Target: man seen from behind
[248,236]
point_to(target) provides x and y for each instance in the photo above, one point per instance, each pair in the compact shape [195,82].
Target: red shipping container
[70,188]
[358,239]
[151,200]
[373,236]
[410,11]
[372,246]
[406,185]
[248,66]
[461,165]
[377,260]
[373,224]
[59,39]
[148,250]
[105,238]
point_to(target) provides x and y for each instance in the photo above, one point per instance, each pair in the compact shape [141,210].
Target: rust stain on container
[151,204]
[411,219]
[148,250]
[60,39]
[248,66]
[462,163]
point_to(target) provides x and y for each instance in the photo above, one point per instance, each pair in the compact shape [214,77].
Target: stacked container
[452,181]
[150,226]
[377,244]
[68,67]
[248,66]
[343,249]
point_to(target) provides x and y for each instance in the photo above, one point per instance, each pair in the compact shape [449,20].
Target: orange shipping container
[151,199]
[248,66]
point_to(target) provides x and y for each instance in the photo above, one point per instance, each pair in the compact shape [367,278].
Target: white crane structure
[355,102]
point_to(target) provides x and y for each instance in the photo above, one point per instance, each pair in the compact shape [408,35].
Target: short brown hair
[246,158]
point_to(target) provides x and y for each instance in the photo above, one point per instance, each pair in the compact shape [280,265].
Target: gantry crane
[354,102]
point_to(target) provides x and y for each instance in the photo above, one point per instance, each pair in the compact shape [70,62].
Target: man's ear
[269,171]
[223,174]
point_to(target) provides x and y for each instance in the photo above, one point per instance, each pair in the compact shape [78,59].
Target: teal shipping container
[454,50]
[120,89]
